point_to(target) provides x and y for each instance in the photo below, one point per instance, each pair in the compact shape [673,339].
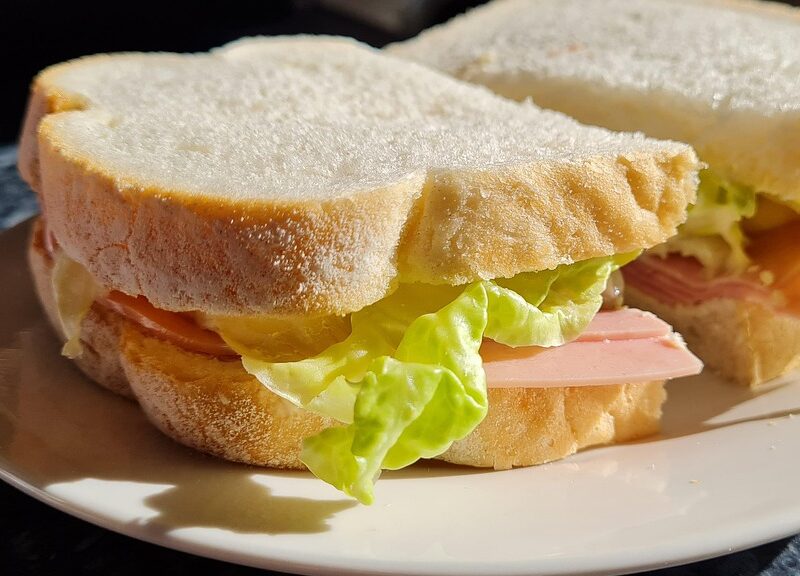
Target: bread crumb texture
[527,426]
[721,75]
[309,174]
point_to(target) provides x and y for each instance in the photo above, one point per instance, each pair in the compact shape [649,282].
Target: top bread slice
[309,175]
[722,75]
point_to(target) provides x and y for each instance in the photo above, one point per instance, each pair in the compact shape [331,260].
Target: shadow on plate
[708,402]
[57,428]
[434,469]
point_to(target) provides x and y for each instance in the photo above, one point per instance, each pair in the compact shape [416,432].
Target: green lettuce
[74,290]
[712,232]
[408,381]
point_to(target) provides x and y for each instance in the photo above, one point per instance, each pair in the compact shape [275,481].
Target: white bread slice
[99,330]
[721,75]
[217,407]
[310,175]
[747,342]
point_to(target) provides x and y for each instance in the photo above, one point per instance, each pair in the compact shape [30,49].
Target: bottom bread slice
[746,342]
[215,406]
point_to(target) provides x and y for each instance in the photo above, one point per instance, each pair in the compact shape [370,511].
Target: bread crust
[100,331]
[527,426]
[760,7]
[755,141]
[215,406]
[747,342]
[337,256]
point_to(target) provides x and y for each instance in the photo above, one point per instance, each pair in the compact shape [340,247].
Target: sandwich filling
[734,244]
[407,376]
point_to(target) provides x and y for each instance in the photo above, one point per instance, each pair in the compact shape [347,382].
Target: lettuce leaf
[551,307]
[712,232]
[325,383]
[413,405]
[408,381]
[74,290]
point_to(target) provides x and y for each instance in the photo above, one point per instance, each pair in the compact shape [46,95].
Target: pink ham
[680,280]
[620,347]
[625,324]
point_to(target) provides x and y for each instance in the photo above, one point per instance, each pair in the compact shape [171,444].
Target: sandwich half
[720,75]
[301,252]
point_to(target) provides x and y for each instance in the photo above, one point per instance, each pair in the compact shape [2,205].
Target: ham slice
[624,324]
[177,327]
[680,280]
[622,347]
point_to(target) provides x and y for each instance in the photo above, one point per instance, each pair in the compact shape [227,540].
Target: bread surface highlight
[215,406]
[310,175]
[721,75]
[747,342]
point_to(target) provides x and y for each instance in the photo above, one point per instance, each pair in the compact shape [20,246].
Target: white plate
[723,476]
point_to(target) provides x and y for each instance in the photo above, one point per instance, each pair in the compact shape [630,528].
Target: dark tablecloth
[36,539]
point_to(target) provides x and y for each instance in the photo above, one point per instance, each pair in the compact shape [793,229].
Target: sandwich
[301,252]
[720,75]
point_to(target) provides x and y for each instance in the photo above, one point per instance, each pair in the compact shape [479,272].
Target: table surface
[36,539]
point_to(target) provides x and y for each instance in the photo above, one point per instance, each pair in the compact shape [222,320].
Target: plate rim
[727,540]
[328,565]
